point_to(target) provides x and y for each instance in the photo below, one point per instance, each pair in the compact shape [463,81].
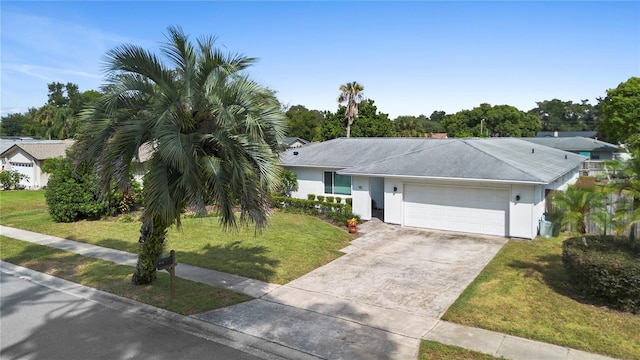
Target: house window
[337,184]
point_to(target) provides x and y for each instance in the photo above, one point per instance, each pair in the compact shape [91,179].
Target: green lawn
[191,297]
[290,247]
[525,292]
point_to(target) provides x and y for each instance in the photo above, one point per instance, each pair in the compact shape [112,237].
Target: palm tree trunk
[152,236]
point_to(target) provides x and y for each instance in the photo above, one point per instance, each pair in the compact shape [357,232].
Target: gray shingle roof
[493,159]
[574,143]
[42,150]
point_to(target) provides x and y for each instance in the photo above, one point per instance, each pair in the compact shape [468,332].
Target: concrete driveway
[376,301]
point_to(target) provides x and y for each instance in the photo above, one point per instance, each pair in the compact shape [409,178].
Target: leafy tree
[437,116]
[214,135]
[557,115]
[11,178]
[410,126]
[576,204]
[351,94]
[371,123]
[304,123]
[289,182]
[621,113]
[13,124]
[487,120]
[419,126]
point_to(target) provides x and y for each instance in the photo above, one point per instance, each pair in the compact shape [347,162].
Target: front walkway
[340,322]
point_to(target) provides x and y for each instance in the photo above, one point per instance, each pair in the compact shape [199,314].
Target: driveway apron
[375,302]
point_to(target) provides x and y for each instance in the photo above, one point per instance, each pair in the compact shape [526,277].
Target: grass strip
[431,350]
[191,297]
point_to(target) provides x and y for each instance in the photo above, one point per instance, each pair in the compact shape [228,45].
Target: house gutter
[446,178]
[330,167]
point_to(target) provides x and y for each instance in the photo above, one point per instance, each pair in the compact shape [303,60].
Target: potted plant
[352,224]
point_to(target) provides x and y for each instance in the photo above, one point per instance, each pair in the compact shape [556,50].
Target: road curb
[234,339]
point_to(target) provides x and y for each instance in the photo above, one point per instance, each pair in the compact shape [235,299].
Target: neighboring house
[27,158]
[591,148]
[587,134]
[145,151]
[437,135]
[495,186]
[294,142]
[596,151]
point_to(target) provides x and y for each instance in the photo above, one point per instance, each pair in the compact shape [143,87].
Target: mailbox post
[169,263]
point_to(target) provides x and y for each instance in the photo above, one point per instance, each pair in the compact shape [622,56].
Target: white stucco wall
[361,197]
[310,181]
[521,218]
[393,201]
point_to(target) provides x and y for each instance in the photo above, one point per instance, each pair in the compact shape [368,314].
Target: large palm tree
[213,132]
[351,94]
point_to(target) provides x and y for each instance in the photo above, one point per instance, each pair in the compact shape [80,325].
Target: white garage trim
[479,210]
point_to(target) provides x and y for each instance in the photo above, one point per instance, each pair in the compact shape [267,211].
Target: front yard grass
[431,350]
[525,291]
[191,297]
[290,247]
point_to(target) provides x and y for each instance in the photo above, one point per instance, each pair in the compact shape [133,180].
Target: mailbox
[165,263]
[168,263]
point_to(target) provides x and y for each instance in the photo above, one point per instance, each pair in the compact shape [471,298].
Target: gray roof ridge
[506,161]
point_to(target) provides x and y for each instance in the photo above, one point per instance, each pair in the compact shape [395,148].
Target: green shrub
[349,201]
[605,268]
[338,200]
[10,179]
[321,198]
[338,213]
[311,197]
[75,195]
[330,199]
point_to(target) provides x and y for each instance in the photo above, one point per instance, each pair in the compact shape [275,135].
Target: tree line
[614,116]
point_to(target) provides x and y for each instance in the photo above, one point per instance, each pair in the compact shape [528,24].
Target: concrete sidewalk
[348,331]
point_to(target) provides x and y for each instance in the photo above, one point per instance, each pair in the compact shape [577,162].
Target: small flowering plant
[352,222]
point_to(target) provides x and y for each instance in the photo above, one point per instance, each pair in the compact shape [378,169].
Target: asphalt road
[37,322]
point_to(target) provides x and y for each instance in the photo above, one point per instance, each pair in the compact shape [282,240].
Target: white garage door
[473,210]
[25,169]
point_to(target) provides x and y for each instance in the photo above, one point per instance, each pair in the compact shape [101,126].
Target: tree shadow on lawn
[234,258]
[237,258]
[550,270]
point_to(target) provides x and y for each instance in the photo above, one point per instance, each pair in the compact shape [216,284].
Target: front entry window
[336,183]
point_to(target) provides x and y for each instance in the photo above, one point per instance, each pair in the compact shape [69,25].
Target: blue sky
[412,57]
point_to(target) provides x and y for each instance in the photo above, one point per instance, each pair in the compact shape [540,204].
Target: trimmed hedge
[606,268]
[339,213]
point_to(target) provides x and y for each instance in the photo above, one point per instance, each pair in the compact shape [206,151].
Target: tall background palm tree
[351,94]
[214,135]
